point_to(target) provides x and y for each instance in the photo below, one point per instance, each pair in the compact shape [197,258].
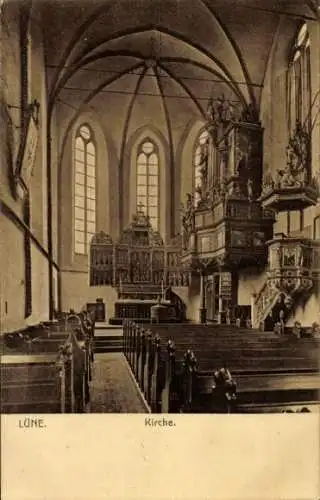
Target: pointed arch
[84,188]
[158,186]
[147,181]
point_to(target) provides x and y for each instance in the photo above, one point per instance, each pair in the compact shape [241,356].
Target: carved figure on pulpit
[285,178]
[299,147]
[289,257]
[276,257]
[268,183]
[144,276]
[295,173]
[300,257]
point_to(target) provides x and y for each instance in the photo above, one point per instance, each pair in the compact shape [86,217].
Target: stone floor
[105,330]
[112,388]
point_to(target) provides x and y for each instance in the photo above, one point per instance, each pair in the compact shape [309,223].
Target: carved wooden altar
[140,265]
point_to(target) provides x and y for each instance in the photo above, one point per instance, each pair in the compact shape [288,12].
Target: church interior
[160,206]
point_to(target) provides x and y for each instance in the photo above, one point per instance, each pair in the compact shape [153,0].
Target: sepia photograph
[160,216]
[160,249]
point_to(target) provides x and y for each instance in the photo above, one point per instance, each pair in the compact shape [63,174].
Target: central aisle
[112,388]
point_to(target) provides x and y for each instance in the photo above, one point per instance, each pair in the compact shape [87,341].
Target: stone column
[254,319]
[221,315]
[203,309]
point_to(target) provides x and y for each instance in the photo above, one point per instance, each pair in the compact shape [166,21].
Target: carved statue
[278,256]
[188,219]
[295,173]
[289,257]
[222,111]
[211,111]
[250,189]
[268,183]
[203,163]
[300,256]
[298,148]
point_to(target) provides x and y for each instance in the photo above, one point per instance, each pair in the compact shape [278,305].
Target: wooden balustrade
[292,272]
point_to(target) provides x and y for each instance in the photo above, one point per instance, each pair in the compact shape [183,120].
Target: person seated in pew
[224,378]
[15,340]
[224,389]
[305,410]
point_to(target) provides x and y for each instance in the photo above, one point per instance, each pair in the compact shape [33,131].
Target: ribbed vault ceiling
[160,58]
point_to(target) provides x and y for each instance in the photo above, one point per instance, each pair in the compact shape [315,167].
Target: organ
[225,226]
[228,226]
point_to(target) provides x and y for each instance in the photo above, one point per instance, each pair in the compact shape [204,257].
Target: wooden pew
[178,384]
[32,383]
[53,355]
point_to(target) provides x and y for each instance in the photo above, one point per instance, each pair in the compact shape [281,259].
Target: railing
[293,269]
[238,209]
[264,302]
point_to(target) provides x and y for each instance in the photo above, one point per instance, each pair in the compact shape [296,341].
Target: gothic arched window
[299,82]
[84,189]
[200,153]
[148,181]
